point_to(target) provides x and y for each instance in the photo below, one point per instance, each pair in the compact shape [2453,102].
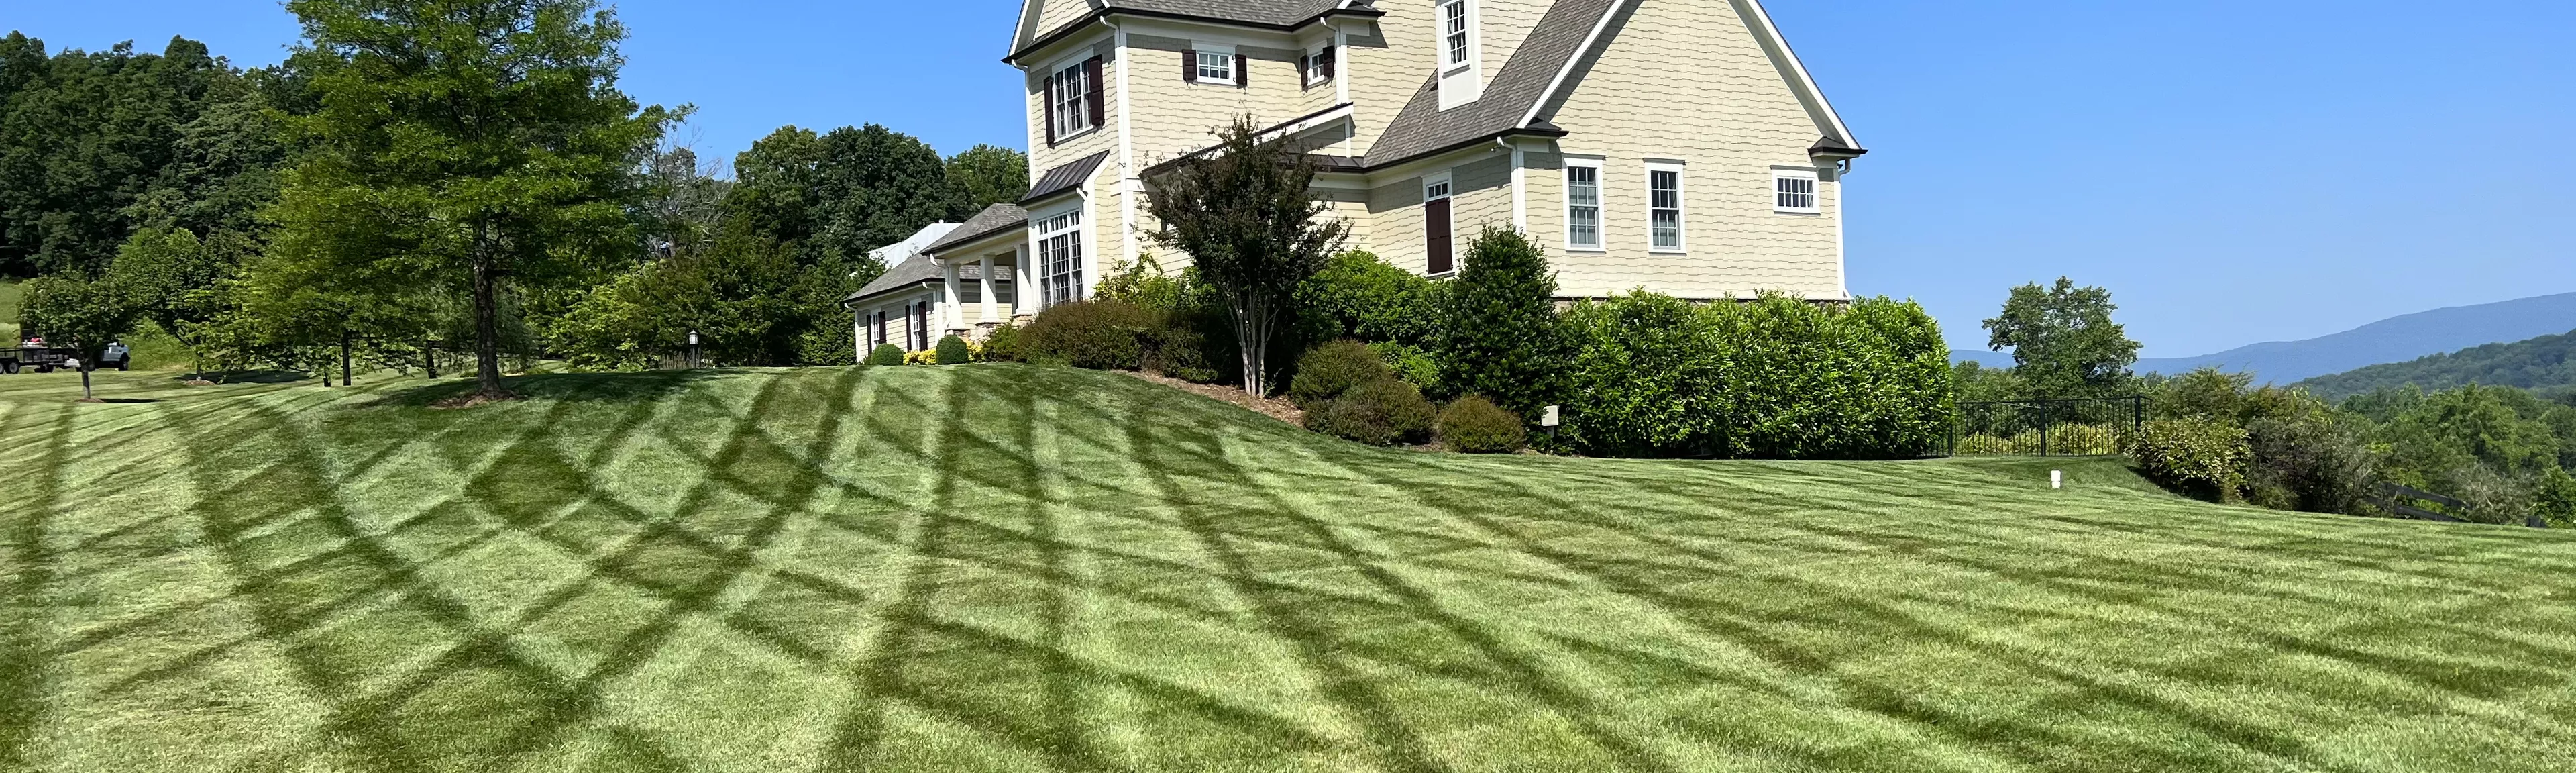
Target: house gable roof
[1545,68]
[897,277]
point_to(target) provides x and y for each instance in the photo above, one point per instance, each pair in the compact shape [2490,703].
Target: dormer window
[1453,32]
[1316,67]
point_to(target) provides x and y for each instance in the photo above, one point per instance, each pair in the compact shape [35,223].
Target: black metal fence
[2081,426]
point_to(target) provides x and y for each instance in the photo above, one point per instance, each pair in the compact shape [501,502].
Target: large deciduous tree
[990,174]
[2063,340]
[478,146]
[1247,217]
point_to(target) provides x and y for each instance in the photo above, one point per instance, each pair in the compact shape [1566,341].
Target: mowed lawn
[998,567]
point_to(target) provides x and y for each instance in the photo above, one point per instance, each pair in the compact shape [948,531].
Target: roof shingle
[1422,127]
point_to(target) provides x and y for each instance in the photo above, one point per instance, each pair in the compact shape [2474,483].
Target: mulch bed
[1271,407]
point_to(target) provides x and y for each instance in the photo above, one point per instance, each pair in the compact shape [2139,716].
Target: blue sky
[2235,171]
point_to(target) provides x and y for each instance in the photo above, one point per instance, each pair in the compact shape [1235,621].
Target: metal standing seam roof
[1064,178]
[1423,128]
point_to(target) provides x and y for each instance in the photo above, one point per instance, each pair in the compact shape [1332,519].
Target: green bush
[1095,334]
[1775,377]
[886,354]
[1003,345]
[2201,457]
[1499,335]
[1177,348]
[1411,364]
[952,351]
[1378,413]
[1644,377]
[1475,425]
[1331,369]
[1360,297]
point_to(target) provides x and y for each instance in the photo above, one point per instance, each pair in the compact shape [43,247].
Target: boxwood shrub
[1326,371]
[1099,334]
[1475,425]
[1380,412]
[886,354]
[952,351]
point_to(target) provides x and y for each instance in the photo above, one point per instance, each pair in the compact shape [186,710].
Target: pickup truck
[35,354]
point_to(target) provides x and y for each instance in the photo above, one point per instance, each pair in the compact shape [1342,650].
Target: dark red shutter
[1242,71]
[1435,240]
[1046,94]
[1327,63]
[1091,99]
[1189,65]
[1305,66]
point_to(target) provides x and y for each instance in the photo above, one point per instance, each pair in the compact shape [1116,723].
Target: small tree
[2064,342]
[1247,217]
[82,314]
[176,281]
[1501,337]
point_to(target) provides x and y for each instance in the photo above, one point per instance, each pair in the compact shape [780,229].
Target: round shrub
[1331,369]
[2200,457]
[1379,413]
[952,351]
[1411,364]
[1475,425]
[1096,334]
[886,354]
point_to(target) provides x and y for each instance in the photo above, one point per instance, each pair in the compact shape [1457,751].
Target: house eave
[1069,29]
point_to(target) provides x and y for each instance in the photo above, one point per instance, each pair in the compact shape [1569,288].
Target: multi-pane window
[1317,66]
[1059,258]
[1582,206]
[1216,67]
[1664,207]
[1453,30]
[1068,90]
[1793,191]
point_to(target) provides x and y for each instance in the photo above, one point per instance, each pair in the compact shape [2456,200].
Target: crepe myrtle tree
[1246,215]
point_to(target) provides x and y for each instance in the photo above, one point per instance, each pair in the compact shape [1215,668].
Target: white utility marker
[2056,478]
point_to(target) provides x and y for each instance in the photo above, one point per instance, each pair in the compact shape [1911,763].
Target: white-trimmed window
[1059,258]
[1069,93]
[1453,33]
[1214,66]
[1664,207]
[1582,204]
[1794,190]
[1316,67]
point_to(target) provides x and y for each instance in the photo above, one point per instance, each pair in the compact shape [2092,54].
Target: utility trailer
[35,355]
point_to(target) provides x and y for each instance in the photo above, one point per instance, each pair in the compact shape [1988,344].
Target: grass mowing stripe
[25,669]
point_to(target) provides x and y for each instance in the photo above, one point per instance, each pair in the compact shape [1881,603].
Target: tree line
[420,183]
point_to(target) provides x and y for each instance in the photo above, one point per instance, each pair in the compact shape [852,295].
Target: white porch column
[950,317]
[984,274]
[1023,282]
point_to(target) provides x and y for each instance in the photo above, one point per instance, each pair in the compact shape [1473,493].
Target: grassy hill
[2539,363]
[998,567]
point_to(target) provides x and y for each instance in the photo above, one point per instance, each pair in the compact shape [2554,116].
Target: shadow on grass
[246,376]
[564,387]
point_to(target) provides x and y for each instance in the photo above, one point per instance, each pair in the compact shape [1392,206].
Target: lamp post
[694,360]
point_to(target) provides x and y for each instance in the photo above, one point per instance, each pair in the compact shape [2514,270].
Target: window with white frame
[1069,90]
[1215,67]
[1664,207]
[1793,190]
[1453,32]
[1317,66]
[1582,204]
[1059,258]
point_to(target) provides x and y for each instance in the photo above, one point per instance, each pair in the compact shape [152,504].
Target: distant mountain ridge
[2392,340]
[2535,363]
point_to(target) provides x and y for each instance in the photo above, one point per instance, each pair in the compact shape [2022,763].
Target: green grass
[10,295]
[996,567]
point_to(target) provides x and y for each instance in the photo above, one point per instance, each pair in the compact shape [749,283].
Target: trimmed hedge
[952,351]
[1475,425]
[1378,413]
[2201,457]
[1095,334]
[1774,377]
[886,354]
[1331,369]
[1003,345]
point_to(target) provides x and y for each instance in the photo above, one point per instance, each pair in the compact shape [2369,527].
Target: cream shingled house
[1675,145]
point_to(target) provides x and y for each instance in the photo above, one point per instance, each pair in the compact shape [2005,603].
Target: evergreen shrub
[2201,457]
[952,351]
[1475,425]
[1098,334]
[1333,368]
[886,354]
[1378,413]
[1498,330]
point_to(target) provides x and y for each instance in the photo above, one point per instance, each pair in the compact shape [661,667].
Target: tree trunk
[428,359]
[345,379]
[487,329]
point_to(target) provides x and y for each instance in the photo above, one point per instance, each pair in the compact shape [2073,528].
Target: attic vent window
[1453,30]
[1793,191]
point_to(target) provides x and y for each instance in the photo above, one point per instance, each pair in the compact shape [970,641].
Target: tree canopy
[1246,214]
[2063,341]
